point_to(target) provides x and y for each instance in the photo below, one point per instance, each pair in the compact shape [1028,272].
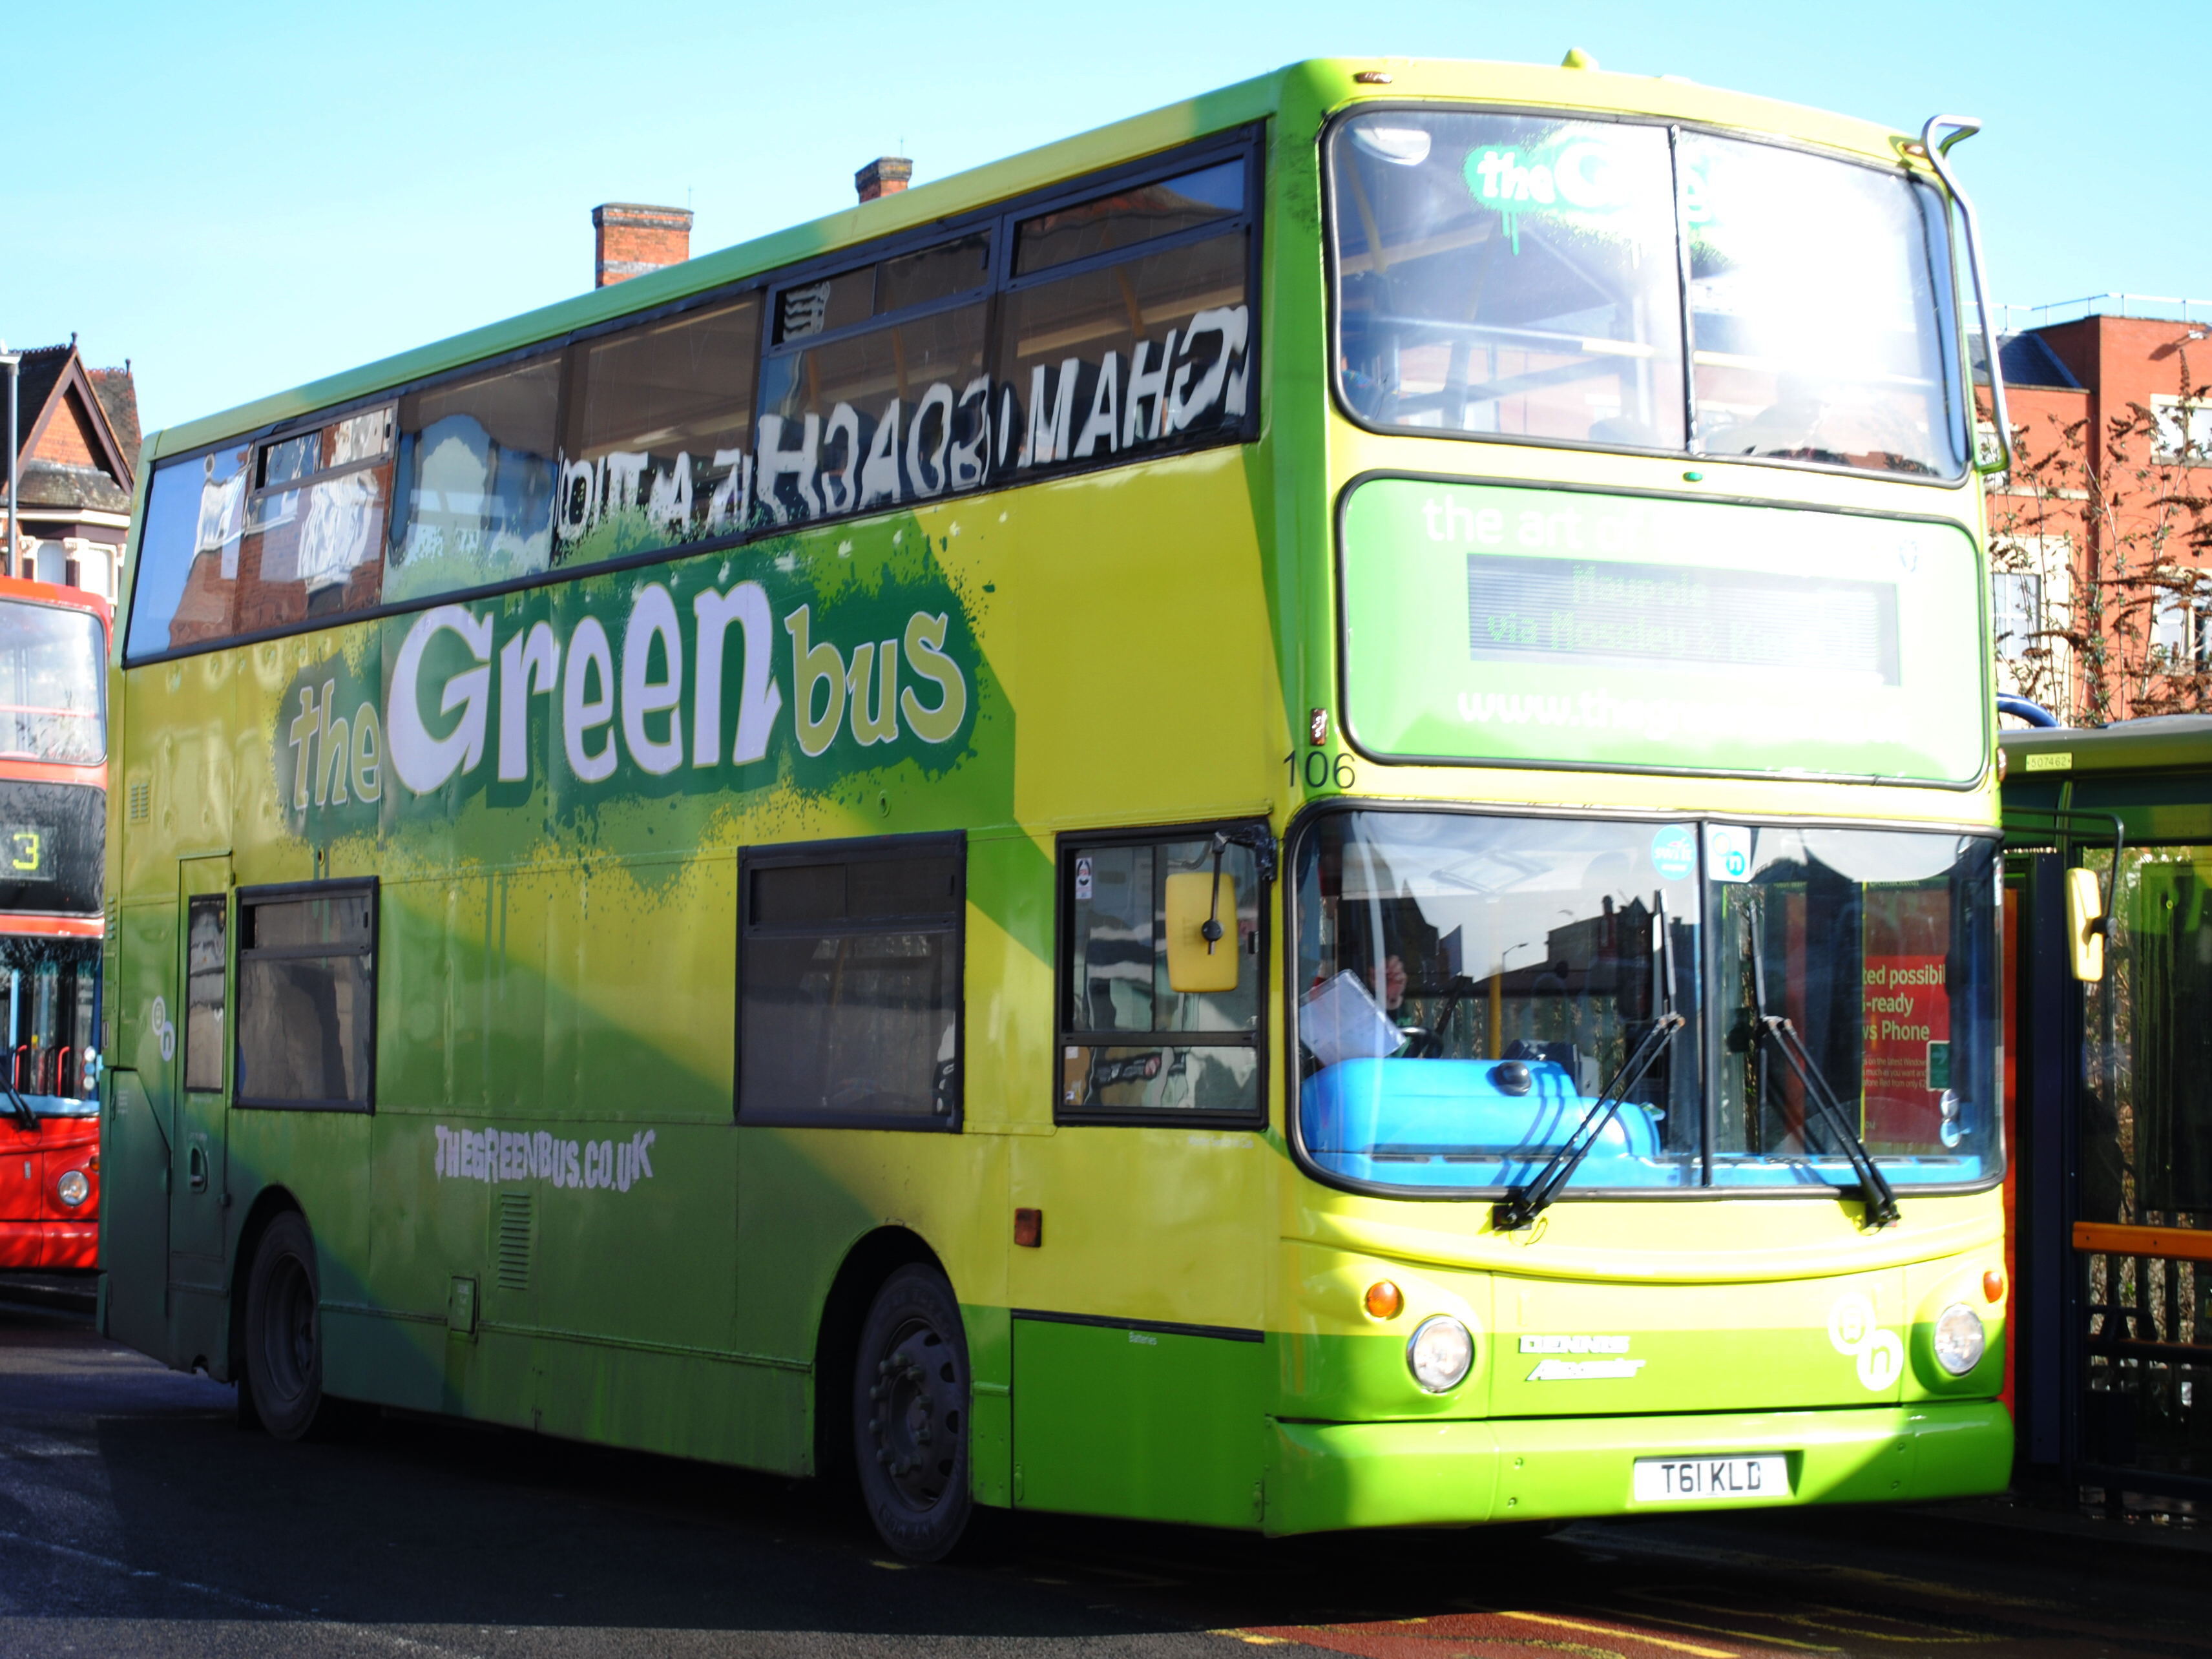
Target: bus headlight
[1959,1338]
[73,1189]
[1440,1353]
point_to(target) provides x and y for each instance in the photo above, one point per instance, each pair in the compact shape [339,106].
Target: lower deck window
[849,984]
[307,996]
[1157,1018]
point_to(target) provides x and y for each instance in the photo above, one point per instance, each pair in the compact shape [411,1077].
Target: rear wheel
[283,1329]
[910,1415]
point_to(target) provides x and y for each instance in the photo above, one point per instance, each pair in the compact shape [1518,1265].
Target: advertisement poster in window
[1907,1018]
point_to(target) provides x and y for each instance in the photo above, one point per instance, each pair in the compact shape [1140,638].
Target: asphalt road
[135,1518]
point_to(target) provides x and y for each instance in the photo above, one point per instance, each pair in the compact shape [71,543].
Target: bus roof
[1317,84]
[2159,742]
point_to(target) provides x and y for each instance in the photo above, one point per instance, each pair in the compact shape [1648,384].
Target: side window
[1161,959]
[1127,325]
[657,434]
[874,392]
[207,960]
[312,541]
[849,974]
[188,552]
[472,502]
[307,996]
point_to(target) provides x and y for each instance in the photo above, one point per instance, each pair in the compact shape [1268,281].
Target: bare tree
[2137,521]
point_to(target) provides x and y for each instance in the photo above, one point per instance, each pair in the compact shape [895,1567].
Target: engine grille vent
[517,1234]
[141,800]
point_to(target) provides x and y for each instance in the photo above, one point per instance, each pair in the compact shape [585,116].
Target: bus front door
[199,1200]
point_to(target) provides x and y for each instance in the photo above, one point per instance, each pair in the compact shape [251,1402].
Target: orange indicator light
[1993,1285]
[1384,1300]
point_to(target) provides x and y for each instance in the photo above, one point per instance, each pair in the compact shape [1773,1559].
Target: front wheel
[910,1415]
[283,1329]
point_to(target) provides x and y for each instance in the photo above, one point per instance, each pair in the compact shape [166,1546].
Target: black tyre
[284,1330]
[910,1415]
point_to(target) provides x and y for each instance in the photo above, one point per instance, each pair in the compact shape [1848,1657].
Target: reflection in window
[313,538]
[1126,358]
[477,470]
[874,419]
[1509,275]
[657,433]
[1469,985]
[1139,214]
[53,685]
[207,960]
[849,964]
[1878,946]
[1132,1037]
[306,998]
[188,551]
[1821,309]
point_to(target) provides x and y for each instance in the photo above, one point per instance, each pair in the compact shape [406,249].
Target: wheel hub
[915,1418]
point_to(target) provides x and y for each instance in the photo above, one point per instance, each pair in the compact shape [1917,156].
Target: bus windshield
[1521,277]
[49,990]
[1472,987]
[53,684]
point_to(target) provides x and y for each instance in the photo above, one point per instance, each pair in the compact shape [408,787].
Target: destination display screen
[1499,624]
[1583,610]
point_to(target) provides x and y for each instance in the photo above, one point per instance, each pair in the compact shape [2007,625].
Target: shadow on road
[127,1493]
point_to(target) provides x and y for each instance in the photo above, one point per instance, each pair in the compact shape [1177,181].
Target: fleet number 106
[1320,770]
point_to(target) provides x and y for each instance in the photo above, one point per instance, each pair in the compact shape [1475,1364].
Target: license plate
[1703,1479]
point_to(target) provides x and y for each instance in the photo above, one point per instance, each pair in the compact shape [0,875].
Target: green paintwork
[557,972]
[1323,1476]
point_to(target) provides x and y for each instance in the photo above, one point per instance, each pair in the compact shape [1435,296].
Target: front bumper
[1326,1476]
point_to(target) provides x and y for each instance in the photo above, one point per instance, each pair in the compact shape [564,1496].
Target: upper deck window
[1105,320]
[1819,311]
[658,433]
[477,471]
[53,681]
[1106,223]
[1522,277]
[312,540]
[1504,277]
[875,393]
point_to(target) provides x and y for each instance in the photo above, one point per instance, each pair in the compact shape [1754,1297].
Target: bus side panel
[805,1197]
[322,1159]
[1155,1426]
[134,1232]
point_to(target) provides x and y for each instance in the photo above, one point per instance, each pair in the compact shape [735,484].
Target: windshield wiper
[1523,1205]
[24,1117]
[1880,1197]
[1874,1185]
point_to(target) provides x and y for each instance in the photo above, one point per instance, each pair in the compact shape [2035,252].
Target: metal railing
[2155,307]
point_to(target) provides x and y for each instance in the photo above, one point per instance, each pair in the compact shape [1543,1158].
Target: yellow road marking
[1617,1633]
[1730,1630]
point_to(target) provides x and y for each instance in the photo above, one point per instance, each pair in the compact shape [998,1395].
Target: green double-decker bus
[1283,817]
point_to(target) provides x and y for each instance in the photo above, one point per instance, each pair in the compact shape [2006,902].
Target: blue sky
[243,197]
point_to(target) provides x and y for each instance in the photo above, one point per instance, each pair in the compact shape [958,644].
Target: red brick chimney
[886,175]
[633,239]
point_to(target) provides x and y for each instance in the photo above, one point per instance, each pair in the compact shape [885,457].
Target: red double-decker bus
[53,823]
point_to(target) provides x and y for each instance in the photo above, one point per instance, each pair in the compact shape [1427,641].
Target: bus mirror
[2085,924]
[1196,964]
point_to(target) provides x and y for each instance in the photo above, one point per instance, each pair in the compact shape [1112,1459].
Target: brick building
[2101,534]
[76,452]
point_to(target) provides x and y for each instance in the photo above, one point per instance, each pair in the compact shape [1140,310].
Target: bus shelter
[2108,1043]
